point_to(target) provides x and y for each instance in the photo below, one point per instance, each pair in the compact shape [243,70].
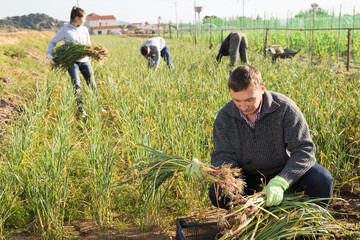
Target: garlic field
[56,167]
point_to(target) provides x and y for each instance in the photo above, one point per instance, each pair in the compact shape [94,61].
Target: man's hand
[275,191]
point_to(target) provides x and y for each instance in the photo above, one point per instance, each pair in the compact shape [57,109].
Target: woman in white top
[76,32]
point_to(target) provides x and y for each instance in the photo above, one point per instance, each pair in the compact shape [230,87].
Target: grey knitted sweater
[280,143]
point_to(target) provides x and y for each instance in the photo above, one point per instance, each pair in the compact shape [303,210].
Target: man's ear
[262,87]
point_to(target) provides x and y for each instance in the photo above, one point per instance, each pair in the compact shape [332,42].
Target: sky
[135,11]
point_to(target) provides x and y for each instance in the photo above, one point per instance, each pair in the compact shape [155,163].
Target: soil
[347,211]
[15,37]
[8,112]
[89,231]
[9,109]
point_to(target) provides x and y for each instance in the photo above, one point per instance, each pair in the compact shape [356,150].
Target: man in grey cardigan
[266,134]
[152,49]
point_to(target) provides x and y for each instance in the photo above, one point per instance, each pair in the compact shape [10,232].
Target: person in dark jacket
[234,45]
[266,135]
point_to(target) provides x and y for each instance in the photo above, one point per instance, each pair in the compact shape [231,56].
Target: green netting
[306,21]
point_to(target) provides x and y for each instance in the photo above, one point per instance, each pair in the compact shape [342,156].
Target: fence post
[222,35]
[195,30]
[181,30]
[338,43]
[177,31]
[170,29]
[265,41]
[210,42]
[348,50]
[159,26]
[312,46]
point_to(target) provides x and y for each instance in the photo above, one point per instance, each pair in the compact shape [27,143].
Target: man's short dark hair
[244,76]
[144,50]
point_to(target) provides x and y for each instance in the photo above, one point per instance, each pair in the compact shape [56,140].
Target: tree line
[33,21]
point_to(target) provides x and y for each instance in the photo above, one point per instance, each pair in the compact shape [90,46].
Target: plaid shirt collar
[257,115]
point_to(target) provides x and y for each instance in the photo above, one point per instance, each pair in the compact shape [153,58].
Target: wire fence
[306,21]
[338,46]
[331,38]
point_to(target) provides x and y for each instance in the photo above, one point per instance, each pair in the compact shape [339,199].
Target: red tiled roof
[94,17]
[105,27]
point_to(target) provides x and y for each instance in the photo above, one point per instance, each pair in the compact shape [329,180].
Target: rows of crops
[329,46]
[56,167]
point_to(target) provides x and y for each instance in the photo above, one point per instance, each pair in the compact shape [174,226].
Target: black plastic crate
[189,229]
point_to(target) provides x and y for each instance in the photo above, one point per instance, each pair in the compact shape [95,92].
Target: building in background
[144,28]
[99,25]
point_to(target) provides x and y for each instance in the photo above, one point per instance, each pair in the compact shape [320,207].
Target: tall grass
[9,199]
[38,155]
[61,167]
[99,152]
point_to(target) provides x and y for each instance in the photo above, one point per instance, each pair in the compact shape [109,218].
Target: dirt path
[11,38]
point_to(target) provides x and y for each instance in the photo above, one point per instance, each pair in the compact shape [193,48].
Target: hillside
[33,21]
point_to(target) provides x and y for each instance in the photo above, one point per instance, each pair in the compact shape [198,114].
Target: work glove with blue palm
[275,191]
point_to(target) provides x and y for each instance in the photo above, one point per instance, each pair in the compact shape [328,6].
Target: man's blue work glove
[275,191]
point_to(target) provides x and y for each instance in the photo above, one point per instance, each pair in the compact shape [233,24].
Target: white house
[99,25]
[138,25]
